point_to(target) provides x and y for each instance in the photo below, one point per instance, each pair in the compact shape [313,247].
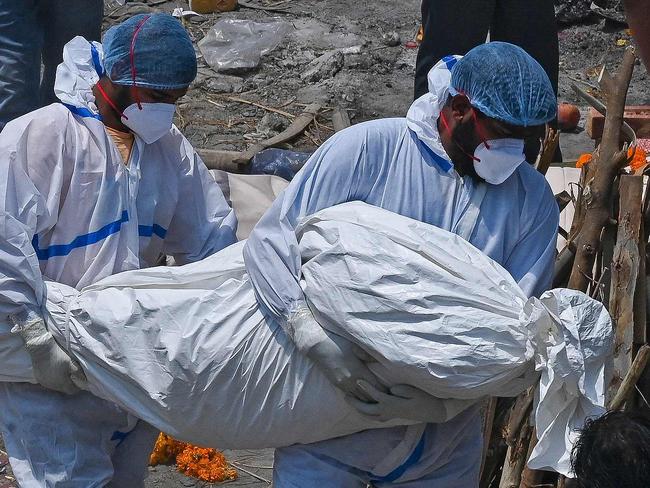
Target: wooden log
[516,457]
[520,413]
[566,257]
[608,161]
[608,242]
[640,293]
[488,425]
[594,211]
[549,145]
[497,447]
[624,269]
[222,160]
[531,478]
[631,378]
[296,128]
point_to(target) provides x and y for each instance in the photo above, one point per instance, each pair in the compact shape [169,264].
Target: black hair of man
[613,451]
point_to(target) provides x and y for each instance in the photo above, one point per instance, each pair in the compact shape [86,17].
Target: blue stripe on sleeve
[80,241]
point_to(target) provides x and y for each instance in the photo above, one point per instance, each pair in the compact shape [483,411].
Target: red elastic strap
[444,122]
[132,56]
[110,102]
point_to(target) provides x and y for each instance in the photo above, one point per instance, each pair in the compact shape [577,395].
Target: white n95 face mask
[150,122]
[496,164]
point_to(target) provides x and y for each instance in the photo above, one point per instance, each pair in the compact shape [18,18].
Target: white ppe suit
[400,165]
[71,211]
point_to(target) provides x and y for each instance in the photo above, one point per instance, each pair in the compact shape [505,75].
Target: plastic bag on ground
[188,350]
[234,44]
[278,162]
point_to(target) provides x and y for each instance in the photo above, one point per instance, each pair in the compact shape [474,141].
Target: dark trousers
[456,26]
[35,31]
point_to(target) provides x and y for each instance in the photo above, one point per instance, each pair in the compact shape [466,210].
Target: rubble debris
[323,67]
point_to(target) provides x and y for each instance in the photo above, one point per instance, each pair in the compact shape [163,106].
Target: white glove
[341,361]
[53,367]
[407,402]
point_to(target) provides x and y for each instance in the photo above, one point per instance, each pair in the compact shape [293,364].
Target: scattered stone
[573,11]
[325,66]
[272,123]
[391,39]
[222,84]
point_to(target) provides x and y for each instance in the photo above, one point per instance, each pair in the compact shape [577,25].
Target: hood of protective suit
[422,116]
[77,74]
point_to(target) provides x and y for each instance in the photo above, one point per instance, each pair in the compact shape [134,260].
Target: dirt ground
[352,55]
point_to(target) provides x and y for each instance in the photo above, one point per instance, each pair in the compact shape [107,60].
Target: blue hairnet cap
[504,82]
[163,54]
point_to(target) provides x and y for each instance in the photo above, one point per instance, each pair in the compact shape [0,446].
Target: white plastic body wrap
[188,350]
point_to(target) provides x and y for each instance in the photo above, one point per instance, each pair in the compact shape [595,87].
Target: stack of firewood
[605,256]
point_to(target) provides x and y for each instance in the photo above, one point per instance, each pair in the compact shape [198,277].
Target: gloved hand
[53,367]
[407,402]
[341,361]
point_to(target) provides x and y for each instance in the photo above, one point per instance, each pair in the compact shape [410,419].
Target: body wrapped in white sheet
[188,350]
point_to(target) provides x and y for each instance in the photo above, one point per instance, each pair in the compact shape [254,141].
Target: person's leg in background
[446,455]
[131,457]
[530,25]
[295,467]
[20,58]
[62,20]
[54,439]
[450,27]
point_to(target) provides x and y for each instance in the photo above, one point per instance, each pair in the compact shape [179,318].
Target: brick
[637,116]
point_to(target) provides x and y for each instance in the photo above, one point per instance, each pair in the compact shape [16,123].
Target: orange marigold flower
[205,464]
[200,462]
[583,159]
[166,450]
[638,157]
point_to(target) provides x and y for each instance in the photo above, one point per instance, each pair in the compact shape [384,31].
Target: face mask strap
[132,56]
[110,102]
[448,129]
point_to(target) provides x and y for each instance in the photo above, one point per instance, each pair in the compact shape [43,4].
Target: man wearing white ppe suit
[97,184]
[455,162]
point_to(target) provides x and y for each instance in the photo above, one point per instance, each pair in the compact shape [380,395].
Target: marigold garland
[637,156]
[583,159]
[199,462]
[205,464]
